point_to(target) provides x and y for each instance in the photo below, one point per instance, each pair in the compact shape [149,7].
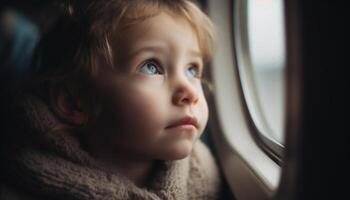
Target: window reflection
[267,53]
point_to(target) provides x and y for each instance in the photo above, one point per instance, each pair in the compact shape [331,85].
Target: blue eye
[150,68]
[193,71]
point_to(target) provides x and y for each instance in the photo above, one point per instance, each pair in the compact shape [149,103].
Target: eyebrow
[149,48]
[159,47]
[195,53]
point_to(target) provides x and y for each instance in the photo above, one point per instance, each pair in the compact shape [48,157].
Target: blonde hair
[71,52]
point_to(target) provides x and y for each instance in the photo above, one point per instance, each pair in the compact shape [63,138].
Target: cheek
[202,108]
[136,109]
[204,113]
[144,113]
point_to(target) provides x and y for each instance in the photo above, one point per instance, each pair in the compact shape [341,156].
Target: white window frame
[250,169]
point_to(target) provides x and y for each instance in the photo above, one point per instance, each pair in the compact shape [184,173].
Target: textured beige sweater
[54,166]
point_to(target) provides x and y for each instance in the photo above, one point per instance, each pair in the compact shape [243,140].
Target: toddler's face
[153,104]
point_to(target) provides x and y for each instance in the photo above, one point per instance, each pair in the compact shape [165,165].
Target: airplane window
[266,64]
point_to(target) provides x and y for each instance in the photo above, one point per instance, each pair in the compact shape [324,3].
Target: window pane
[267,53]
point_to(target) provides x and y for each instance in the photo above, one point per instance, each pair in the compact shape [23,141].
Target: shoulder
[205,178]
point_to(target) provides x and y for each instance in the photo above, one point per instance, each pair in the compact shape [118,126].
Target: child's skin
[155,84]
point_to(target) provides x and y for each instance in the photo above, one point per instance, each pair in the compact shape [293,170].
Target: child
[114,107]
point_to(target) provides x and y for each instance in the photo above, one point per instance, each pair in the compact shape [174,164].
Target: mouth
[186,122]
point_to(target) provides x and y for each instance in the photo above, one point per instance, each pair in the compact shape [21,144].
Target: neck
[136,169]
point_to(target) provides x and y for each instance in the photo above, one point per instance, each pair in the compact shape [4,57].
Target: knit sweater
[52,165]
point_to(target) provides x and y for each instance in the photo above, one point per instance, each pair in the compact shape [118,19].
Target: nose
[185,93]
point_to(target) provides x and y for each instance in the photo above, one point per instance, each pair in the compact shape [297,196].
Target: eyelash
[154,63]
[198,73]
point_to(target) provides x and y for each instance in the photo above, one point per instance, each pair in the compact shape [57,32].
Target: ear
[68,105]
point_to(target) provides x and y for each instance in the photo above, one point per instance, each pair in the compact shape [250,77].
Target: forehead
[158,31]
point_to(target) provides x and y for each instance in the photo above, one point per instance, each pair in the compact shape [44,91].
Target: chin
[179,151]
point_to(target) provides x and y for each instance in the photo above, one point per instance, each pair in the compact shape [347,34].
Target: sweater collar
[53,163]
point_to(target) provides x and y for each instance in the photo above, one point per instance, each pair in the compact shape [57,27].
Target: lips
[186,121]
